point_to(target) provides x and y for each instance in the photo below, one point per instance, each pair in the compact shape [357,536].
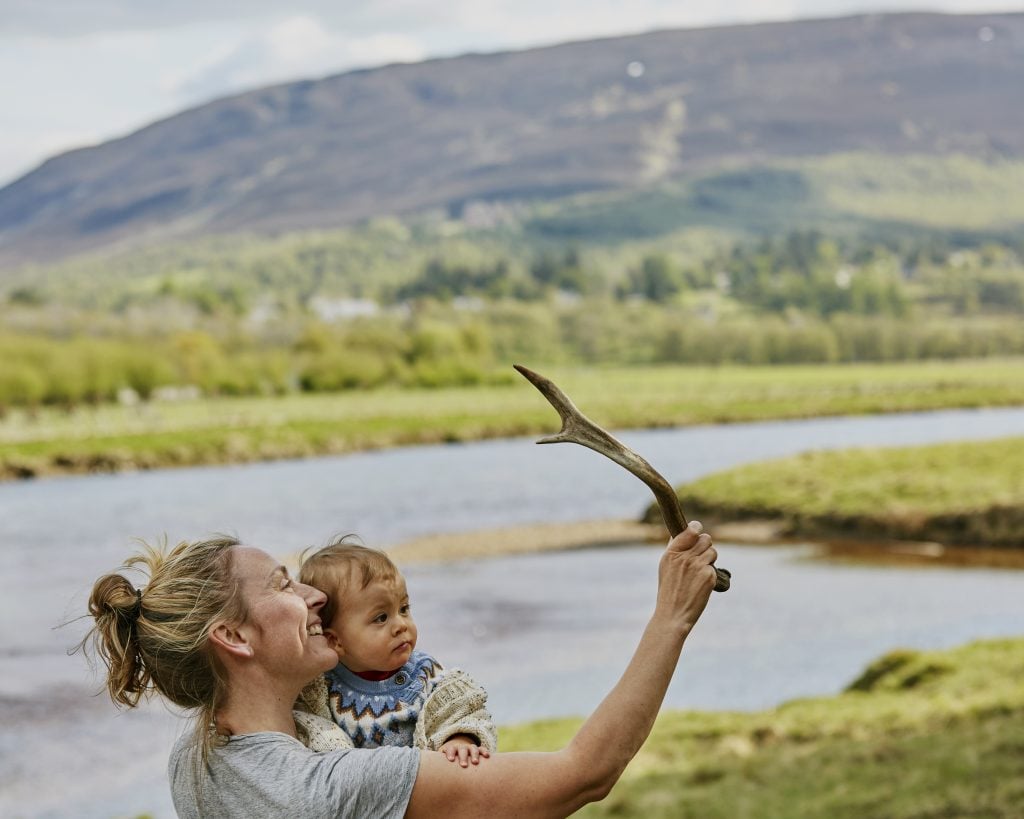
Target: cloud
[73,18]
[299,46]
[76,18]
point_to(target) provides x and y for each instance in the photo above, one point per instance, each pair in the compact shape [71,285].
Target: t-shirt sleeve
[274,775]
[372,782]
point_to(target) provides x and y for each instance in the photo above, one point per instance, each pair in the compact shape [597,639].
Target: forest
[797,299]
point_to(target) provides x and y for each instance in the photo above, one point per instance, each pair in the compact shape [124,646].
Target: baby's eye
[405,609]
[380,618]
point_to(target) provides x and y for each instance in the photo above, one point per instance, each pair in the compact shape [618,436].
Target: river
[546,634]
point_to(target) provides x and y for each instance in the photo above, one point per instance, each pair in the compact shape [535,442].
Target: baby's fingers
[464,756]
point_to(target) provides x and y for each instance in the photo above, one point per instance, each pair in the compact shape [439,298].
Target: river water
[546,634]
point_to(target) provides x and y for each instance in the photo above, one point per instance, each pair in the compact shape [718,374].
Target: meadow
[919,735]
[110,437]
[967,493]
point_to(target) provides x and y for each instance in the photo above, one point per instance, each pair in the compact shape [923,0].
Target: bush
[21,385]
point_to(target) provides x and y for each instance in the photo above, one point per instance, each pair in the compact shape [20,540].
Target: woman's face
[283,622]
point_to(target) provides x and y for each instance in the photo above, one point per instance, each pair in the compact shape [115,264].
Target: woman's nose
[314,598]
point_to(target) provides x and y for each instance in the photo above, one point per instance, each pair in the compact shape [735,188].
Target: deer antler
[578,429]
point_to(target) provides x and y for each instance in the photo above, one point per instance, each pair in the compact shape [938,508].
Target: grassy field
[917,736]
[843,194]
[968,493]
[109,438]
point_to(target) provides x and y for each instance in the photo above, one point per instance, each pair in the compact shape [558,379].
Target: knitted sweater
[420,705]
[375,713]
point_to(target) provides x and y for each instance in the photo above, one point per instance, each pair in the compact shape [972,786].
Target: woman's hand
[463,747]
[686,577]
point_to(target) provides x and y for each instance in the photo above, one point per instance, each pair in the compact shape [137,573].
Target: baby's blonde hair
[338,565]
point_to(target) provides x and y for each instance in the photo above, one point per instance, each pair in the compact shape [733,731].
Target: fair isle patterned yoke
[376,713]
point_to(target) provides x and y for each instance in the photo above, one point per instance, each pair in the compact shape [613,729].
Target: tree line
[448,347]
[800,298]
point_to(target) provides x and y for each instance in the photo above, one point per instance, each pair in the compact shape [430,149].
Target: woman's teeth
[315,630]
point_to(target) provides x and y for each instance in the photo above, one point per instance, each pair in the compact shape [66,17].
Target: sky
[79,72]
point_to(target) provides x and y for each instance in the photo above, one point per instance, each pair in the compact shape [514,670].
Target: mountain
[610,114]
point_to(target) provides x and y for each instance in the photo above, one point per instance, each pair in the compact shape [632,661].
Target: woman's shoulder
[239,777]
[186,750]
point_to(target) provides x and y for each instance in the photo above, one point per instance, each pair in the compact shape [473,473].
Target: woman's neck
[251,708]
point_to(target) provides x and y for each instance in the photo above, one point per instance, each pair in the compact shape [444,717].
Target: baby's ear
[332,640]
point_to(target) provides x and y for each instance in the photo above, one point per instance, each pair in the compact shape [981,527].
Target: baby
[383,691]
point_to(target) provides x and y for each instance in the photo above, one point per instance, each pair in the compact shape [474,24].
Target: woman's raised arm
[557,784]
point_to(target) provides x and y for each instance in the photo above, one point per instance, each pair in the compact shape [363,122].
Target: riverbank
[560,537]
[968,494]
[238,430]
[918,734]
[541,537]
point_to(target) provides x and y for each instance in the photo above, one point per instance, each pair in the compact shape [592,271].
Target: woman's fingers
[686,539]
[686,575]
[702,545]
[692,539]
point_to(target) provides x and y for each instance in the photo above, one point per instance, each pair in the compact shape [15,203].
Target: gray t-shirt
[271,774]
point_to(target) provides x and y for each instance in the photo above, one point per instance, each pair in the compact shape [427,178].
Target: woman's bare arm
[556,784]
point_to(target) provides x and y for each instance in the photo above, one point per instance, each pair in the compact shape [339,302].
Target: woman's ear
[231,640]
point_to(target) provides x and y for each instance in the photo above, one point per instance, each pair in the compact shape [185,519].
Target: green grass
[959,493]
[921,735]
[230,430]
[923,190]
[845,194]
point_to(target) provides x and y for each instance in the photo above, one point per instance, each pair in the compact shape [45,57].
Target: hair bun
[114,595]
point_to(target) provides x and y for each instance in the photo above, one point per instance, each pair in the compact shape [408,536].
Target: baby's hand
[463,747]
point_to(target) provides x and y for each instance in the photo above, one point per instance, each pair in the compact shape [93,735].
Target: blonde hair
[335,567]
[156,638]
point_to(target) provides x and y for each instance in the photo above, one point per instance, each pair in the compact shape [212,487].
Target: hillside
[604,115]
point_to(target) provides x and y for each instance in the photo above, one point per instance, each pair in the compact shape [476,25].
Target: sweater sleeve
[314,724]
[456,705]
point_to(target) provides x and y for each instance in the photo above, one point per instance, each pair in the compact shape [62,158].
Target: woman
[221,629]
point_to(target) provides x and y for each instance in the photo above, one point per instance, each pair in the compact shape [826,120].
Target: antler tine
[578,429]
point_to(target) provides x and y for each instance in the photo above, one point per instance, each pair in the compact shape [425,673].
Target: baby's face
[373,629]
